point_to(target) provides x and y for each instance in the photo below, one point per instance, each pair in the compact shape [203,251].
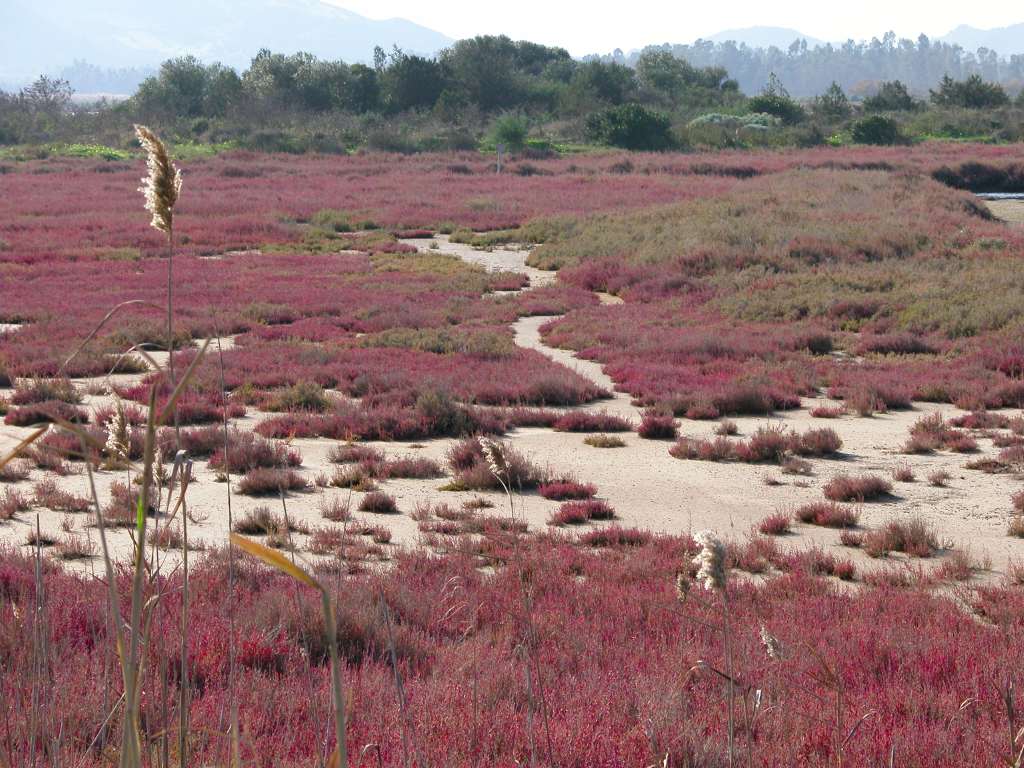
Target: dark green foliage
[630,126]
[892,96]
[972,93]
[833,103]
[775,100]
[876,129]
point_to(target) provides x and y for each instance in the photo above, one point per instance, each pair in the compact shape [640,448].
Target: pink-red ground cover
[620,672]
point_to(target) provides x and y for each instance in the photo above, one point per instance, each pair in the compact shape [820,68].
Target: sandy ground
[646,486]
[1008,210]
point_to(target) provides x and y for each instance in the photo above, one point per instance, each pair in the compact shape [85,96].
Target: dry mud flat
[646,486]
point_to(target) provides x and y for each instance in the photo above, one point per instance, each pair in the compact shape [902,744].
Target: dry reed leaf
[274,559]
[22,446]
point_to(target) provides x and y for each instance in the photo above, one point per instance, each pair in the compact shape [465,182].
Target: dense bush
[876,129]
[630,126]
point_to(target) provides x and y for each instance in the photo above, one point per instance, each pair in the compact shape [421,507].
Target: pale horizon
[585,28]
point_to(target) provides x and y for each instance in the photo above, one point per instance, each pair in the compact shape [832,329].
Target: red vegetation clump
[270,482]
[859,488]
[560,490]
[586,421]
[772,444]
[656,425]
[827,514]
[579,512]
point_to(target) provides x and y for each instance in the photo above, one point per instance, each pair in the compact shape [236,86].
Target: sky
[599,26]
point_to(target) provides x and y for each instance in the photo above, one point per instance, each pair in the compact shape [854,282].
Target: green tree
[972,93]
[185,87]
[892,96]
[775,100]
[610,83]
[413,82]
[363,93]
[832,104]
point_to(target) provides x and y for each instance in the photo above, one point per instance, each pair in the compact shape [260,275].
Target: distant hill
[763,37]
[1003,40]
[44,37]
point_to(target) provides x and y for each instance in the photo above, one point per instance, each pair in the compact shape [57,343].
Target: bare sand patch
[1007,210]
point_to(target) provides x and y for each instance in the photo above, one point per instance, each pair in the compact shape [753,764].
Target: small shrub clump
[604,441]
[860,488]
[378,503]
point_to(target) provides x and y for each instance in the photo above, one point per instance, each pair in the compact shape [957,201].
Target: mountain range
[37,36]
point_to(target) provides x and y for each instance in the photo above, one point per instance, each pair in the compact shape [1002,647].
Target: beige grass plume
[710,561]
[495,458]
[162,183]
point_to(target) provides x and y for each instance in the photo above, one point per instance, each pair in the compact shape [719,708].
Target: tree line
[656,100]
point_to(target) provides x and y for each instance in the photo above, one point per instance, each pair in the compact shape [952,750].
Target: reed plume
[162,182]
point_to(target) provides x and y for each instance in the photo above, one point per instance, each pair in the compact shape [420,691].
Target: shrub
[614,536]
[334,509]
[1016,526]
[510,130]
[44,413]
[775,525]
[816,442]
[828,411]
[247,451]
[903,473]
[378,503]
[876,129]
[15,471]
[791,465]
[301,396]
[354,453]
[766,444]
[356,477]
[561,490]
[630,126]
[46,390]
[410,467]
[851,538]
[829,515]
[727,428]
[258,522]
[578,512]
[264,482]
[860,488]
[939,478]
[604,441]
[584,421]
[74,546]
[915,537]
[657,425]
[472,473]
[1017,500]
[13,502]
[47,494]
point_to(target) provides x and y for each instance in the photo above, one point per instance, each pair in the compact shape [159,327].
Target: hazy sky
[601,26]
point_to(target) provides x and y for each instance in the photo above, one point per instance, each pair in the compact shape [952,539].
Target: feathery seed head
[495,457]
[710,561]
[162,183]
[118,444]
[771,644]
